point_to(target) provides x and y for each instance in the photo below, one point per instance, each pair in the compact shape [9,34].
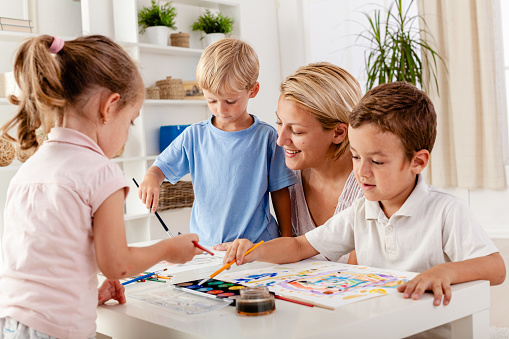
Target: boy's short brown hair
[402,109]
[228,65]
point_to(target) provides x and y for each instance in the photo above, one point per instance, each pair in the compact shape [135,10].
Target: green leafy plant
[213,23]
[395,46]
[157,15]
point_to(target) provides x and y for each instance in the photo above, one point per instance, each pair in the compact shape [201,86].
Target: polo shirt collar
[73,137]
[412,204]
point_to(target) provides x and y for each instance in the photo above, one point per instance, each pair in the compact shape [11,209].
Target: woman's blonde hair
[226,66]
[326,91]
[51,82]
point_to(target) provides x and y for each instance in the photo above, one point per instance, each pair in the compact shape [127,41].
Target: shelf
[164,102]
[136,216]
[207,3]
[7,36]
[13,167]
[166,50]
[5,101]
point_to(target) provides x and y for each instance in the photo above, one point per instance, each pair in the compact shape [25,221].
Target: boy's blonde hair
[226,66]
[402,109]
[326,91]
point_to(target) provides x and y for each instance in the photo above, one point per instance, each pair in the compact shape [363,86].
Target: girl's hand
[111,289]
[437,279]
[237,250]
[182,249]
[222,247]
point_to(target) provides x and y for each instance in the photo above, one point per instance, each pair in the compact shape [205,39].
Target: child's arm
[150,187]
[440,278]
[278,251]
[352,258]
[281,203]
[116,260]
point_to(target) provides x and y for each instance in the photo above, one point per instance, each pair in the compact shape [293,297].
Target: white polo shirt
[432,227]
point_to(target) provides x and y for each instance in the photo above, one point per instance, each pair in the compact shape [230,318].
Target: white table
[388,316]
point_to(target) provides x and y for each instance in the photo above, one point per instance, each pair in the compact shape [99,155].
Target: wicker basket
[179,39]
[170,88]
[152,92]
[7,152]
[175,196]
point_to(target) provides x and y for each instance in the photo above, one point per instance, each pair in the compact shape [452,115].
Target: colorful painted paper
[323,283]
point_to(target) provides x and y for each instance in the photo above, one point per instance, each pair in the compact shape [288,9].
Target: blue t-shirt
[232,175]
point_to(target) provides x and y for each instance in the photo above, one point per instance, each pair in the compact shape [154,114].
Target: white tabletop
[388,316]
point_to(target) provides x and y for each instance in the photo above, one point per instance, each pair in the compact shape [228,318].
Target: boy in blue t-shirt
[232,157]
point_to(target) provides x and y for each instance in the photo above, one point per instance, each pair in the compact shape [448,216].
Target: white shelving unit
[118,20]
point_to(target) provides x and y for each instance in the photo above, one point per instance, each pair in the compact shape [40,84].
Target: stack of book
[15,25]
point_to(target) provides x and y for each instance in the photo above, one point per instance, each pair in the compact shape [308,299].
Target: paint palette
[175,299]
[213,288]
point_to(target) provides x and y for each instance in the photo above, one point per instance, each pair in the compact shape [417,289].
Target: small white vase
[157,35]
[213,37]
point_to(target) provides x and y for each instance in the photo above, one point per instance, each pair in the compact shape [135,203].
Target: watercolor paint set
[213,288]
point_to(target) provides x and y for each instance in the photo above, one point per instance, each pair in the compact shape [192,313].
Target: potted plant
[396,48]
[215,26]
[156,21]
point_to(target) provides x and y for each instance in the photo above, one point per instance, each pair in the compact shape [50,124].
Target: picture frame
[192,91]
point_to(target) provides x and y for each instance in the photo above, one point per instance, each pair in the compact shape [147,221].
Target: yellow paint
[353,296]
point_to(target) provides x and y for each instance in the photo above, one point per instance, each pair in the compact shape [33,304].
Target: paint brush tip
[203,281]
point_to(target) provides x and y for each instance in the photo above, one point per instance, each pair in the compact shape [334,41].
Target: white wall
[259,27]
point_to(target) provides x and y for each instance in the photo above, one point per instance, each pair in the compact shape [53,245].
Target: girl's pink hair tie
[56,45]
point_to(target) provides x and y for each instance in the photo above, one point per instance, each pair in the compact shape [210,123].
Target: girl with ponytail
[63,219]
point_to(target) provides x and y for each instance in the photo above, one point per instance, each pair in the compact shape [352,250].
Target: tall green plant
[157,15]
[395,45]
[213,23]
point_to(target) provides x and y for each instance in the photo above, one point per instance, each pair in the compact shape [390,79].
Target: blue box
[168,133]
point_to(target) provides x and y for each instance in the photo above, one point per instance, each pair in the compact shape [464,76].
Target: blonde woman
[312,126]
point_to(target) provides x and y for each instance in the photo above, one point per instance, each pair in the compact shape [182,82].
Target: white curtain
[470,105]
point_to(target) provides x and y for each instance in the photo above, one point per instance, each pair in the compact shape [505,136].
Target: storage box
[179,39]
[168,133]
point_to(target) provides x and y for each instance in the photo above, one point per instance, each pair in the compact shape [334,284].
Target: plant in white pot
[215,26]
[156,21]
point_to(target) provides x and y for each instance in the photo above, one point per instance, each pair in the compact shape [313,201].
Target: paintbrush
[227,265]
[201,247]
[158,217]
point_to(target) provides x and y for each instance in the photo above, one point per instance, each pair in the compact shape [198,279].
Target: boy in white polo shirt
[401,223]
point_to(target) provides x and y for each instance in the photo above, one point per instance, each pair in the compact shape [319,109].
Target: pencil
[158,217]
[143,277]
[201,247]
[227,265]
